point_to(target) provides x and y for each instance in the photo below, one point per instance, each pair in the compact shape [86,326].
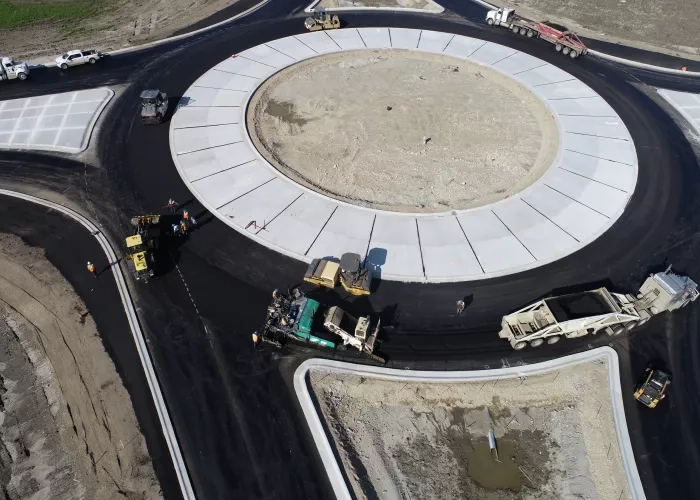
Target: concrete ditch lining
[312,8]
[325,450]
[139,340]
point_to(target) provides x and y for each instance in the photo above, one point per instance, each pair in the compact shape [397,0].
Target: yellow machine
[140,246]
[353,278]
[322,21]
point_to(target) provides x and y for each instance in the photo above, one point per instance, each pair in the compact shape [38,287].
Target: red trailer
[565,42]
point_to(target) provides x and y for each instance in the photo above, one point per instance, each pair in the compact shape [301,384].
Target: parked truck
[78,57]
[295,316]
[578,314]
[566,42]
[13,70]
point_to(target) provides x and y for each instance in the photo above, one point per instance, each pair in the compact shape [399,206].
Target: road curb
[175,38]
[139,340]
[325,450]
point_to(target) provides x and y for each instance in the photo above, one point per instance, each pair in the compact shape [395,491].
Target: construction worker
[193,222]
[256,338]
[92,269]
[183,226]
[172,205]
[185,215]
[460,306]
[275,293]
[176,229]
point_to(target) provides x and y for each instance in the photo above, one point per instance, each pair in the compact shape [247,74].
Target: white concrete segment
[57,122]
[687,104]
[582,194]
[523,371]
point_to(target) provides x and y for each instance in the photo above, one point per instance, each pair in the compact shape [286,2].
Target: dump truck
[566,42]
[653,389]
[154,106]
[295,316]
[13,70]
[322,21]
[141,245]
[578,314]
[355,279]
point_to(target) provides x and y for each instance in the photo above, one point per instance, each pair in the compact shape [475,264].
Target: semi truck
[294,316]
[566,42]
[578,314]
[13,70]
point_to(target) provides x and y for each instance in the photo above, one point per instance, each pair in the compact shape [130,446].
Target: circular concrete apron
[579,197]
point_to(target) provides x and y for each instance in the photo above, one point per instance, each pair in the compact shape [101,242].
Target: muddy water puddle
[284,111]
[491,473]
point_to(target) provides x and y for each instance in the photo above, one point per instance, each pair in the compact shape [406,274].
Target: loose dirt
[554,433]
[123,23]
[403,131]
[67,427]
[656,25]
[426,5]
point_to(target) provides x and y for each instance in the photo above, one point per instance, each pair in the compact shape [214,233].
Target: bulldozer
[322,21]
[352,277]
[141,245]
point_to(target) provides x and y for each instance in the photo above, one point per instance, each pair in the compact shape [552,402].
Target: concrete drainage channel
[139,340]
[559,426]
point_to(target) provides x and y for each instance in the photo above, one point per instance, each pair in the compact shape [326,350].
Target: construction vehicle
[154,106]
[566,42]
[579,314]
[355,279]
[295,316]
[653,389]
[13,70]
[141,245]
[322,21]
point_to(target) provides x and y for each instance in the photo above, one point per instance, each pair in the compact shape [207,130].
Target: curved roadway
[236,422]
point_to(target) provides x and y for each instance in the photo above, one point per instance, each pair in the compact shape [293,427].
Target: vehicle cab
[499,16]
[11,69]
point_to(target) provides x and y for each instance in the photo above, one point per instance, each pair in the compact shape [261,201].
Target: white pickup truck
[78,57]
[11,69]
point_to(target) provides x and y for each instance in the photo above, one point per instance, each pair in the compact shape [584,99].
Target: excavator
[355,279]
[141,245]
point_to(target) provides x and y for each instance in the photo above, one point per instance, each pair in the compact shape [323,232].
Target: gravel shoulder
[67,426]
[656,25]
[554,432]
[402,130]
[427,5]
[123,24]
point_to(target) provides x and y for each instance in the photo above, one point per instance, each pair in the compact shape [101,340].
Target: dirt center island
[402,130]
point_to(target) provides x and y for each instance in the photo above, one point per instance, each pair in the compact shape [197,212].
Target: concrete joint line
[139,340]
[325,450]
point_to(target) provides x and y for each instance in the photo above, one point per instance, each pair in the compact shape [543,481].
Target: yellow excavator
[355,279]
[141,245]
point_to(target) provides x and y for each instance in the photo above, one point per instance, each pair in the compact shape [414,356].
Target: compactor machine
[322,21]
[141,245]
[354,278]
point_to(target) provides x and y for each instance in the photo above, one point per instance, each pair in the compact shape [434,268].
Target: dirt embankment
[120,24]
[555,436]
[67,427]
[657,25]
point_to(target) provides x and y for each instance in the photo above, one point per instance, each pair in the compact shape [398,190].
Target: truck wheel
[523,31]
[554,339]
[536,342]
[64,66]
[573,54]
[565,50]
[558,47]
[519,345]
[642,321]
[489,22]
[516,29]
[630,325]
[530,33]
[91,60]
[22,76]
[618,330]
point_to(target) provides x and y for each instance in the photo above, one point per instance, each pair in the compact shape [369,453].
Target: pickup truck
[11,69]
[78,57]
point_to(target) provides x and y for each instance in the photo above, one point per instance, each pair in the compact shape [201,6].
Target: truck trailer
[578,314]
[566,42]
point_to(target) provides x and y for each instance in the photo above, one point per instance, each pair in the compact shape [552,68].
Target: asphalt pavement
[238,425]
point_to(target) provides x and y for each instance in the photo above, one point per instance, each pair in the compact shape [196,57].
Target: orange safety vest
[91,268]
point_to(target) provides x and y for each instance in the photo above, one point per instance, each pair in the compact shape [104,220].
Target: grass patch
[23,13]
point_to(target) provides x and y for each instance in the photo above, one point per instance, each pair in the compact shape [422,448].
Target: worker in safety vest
[176,229]
[183,226]
[275,293]
[256,338]
[92,269]
[185,215]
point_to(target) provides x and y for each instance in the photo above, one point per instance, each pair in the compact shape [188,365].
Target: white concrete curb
[93,121]
[326,452]
[170,39]
[158,401]
[628,62]
[439,10]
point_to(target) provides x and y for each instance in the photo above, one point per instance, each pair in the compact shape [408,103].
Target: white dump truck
[11,69]
[579,314]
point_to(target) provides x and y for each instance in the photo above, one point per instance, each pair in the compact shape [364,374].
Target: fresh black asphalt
[237,423]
